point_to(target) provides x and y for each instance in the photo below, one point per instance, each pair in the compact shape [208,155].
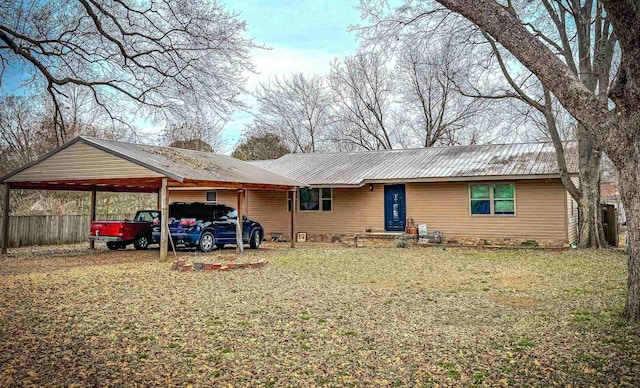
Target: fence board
[52,230]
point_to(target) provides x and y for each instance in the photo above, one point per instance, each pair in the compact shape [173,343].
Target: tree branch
[553,73]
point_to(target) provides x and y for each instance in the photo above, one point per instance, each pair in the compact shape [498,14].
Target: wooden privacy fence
[52,230]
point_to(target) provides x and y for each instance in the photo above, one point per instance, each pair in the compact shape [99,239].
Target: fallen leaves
[317,316]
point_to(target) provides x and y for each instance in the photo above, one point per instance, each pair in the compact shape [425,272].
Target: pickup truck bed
[119,234]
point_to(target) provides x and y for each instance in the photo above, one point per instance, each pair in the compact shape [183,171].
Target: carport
[97,165]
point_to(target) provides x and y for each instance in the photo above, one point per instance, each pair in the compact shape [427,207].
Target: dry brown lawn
[317,316]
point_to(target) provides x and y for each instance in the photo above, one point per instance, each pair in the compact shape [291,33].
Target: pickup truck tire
[207,242]
[256,239]
[141,242]
[113,245]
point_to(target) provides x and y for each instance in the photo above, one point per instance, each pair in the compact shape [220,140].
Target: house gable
[80,161]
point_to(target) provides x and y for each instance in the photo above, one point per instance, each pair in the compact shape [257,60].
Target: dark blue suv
[208,226]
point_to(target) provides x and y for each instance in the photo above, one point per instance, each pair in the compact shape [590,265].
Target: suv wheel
[141,242]
[112,245]
[207,242]
[256,239]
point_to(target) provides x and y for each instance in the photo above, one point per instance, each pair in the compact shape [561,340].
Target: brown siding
[81,161]
[353,211]
[540,211]
[226,197]
[270,209]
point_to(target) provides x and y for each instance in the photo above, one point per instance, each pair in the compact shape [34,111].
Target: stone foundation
[395,240]
[380,240]
[504,242]
[391,240]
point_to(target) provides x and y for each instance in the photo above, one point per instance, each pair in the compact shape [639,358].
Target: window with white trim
[492,199]
[211,197]
[316,199]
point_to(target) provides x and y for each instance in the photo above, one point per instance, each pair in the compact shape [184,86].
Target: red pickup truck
[118,234]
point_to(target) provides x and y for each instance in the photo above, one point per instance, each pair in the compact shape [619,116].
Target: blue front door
[395,208]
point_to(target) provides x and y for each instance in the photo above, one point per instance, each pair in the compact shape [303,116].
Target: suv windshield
[200,211]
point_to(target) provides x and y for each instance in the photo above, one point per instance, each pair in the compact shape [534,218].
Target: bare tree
[431,105]
[296,109]
[163,57]
[613,131]
[20,129]
[26,134]
[362,88]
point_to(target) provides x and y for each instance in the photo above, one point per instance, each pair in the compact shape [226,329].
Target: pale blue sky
[306,24]
[304,36]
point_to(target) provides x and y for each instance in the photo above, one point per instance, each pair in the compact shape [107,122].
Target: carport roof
[181,165]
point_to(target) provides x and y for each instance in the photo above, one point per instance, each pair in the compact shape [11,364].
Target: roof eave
[465,178]
[199,183]
[439,179]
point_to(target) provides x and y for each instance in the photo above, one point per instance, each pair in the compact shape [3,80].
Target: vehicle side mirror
[244,218]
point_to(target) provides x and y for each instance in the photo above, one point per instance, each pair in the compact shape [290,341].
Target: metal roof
[261,163]
[181,164]
[492,161]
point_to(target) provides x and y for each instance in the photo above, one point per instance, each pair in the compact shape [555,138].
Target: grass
[318,316]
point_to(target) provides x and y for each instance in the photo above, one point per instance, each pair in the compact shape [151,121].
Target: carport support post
[293,218]
[5,219]
[164,218]
[92,243]
[239,244]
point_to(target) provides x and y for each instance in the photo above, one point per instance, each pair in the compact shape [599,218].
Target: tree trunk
[590,232]
[630,192]
[617,134]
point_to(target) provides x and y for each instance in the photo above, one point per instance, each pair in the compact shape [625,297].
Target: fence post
[5,219]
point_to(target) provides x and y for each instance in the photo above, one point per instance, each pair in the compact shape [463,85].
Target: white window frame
[320,200]
[206,195]
[492,199]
